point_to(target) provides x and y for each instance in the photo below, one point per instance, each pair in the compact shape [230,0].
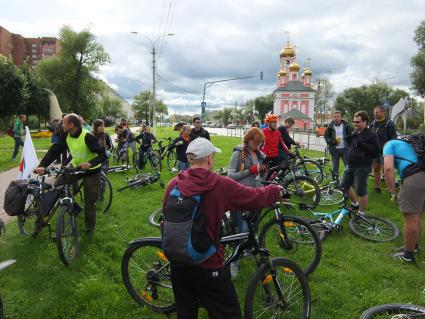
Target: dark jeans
[91,188]
[212,288]
[18,142]
[338,153]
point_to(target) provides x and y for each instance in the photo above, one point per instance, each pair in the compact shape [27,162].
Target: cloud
[350,42]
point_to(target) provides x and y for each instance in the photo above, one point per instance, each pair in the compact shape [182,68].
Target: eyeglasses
[357,122]
[197,122]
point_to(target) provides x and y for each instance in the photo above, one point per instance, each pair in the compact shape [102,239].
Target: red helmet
[271,118]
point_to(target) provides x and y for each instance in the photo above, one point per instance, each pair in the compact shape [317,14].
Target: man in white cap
[210,283]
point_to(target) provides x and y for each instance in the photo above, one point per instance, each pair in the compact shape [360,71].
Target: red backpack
[10,130]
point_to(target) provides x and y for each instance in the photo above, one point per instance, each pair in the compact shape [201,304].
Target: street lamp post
[208,84]
[153,103]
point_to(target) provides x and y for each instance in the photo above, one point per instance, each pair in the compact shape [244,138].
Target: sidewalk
[5,178]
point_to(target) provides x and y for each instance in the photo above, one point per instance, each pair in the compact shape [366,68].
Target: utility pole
[152,115]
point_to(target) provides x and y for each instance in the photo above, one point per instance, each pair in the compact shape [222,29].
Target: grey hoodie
[244,177]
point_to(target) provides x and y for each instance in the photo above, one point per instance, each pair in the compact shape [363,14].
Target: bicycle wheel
[374,228]
[171,159]
[311,169]
[155,162]
[329,197]
[394,311]
[105,199]
[304,190]
[29,222]
[279,289]
[297,241]
[156,217]
[146,274]
[66,235]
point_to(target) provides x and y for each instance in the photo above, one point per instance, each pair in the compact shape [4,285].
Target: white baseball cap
[201,147]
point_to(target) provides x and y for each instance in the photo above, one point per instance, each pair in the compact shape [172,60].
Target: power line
[170,26]
[165,30]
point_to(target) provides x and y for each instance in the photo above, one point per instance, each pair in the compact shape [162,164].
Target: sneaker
[403,248]
[234,270]
[378,190]
[401,256]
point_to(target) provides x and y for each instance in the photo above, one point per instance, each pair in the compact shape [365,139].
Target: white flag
[29,159]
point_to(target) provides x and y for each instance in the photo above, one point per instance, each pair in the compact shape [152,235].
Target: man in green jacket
[336,137]
[18,131]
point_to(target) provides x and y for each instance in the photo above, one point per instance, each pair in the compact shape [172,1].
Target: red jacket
[220,194]
[271,143]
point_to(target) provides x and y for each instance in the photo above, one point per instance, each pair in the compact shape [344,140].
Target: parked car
[231,125]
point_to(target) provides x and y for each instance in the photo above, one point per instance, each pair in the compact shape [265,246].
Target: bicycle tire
[294,280]
[393,309]
[153,259]
[373,228]
[106,194]
[171,159]
[311,169]
[304,246]
[330,197]
[159,158]
[66,227]
[28,222]
[295,187]
[155,217]
[156,164]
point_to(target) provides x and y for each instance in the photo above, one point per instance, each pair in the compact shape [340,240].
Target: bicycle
[283,235]
[141,180]
[330,194]
[153,159]
[4,265]
[121,158]
[165,152]
[62,198]
[394,311]
[303,189]
[277,287]
[310,167]
[372,228]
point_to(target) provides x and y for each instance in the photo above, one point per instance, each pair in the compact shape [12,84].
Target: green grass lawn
[353,274]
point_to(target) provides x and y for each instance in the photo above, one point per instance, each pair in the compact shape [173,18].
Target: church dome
[294,67]
[308,71]
[287,51]
[282,72]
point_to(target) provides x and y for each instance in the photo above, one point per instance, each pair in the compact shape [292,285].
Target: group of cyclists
[242,190]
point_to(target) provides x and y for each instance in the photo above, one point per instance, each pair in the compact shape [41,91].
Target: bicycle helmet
[271,118]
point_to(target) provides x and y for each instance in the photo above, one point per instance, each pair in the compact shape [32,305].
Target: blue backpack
[184,237]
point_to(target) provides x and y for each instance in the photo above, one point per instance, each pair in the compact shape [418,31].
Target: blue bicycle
[372,228]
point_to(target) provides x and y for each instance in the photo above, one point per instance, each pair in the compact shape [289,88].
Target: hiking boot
[403,249]
[402,256]
[378,190]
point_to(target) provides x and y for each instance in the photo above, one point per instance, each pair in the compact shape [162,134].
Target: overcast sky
[350,42]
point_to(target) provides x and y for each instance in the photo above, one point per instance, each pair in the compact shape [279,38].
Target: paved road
[5,178]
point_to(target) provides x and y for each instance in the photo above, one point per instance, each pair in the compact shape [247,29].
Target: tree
[161,110]
[248,111]
[70,74]
[111,107]
[224,115]
[141,105]
[263,105]
[36,101]
[11,90]
[418,62]
[364,98]
[323,97]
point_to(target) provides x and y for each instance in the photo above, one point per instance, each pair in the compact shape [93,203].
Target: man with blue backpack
[194,205]
[406,156]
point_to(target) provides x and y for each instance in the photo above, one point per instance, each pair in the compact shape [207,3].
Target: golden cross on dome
[287,35]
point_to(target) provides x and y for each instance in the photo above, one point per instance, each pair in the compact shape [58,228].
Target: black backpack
[418,143]
[15,197]
[184,237]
